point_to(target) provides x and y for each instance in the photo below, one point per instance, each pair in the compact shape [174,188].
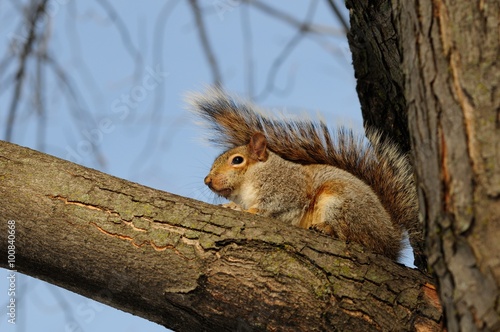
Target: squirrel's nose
[208,180]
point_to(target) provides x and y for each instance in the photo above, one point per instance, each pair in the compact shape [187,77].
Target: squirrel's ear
[258,147]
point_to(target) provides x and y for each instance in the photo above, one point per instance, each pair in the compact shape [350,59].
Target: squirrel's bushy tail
[386,170]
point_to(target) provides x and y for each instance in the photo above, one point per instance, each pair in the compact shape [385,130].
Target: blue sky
[127,117]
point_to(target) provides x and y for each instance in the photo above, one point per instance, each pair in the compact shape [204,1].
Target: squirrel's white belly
[246,196]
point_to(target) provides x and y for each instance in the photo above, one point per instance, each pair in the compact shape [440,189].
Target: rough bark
[191,266]
[449,60]
[454,118]
[374,44]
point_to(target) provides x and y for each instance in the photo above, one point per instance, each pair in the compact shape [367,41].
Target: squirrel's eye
[237,160]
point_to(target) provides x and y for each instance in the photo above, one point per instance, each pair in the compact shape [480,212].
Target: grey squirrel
[293,170]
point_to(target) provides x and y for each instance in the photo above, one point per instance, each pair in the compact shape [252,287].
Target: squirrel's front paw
[323,228]
[232,206]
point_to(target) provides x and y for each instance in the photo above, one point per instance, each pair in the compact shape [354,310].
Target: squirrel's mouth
[224,192]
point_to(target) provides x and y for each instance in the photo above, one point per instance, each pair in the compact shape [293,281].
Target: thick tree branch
[192,266]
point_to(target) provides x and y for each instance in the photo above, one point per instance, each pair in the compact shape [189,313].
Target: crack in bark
[135,228]
[142,243]
[363,315]
[80,176]
[84,205]
[182,229]
[468,112]
[119,236]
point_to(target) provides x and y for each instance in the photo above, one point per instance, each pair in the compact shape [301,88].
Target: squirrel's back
[379,164]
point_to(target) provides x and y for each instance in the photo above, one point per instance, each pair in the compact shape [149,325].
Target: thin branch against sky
[205,43]
[246,31]
[279,60]
[26,52]
[338,15]
[132,50]
[159,97]
[309,26]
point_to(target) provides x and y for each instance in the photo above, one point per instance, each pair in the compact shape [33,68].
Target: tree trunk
[374,44]
[191,266]
[449,53]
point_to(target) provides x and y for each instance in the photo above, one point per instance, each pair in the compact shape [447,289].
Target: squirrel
[292,170]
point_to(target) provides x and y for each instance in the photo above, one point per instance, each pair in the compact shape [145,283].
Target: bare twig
[20,73]
[159,96]
[39,101]
[304,26]
[134,53]
[78,59]
[338,15]
[285,52]
[202,32]
[80,113]
[39,90]
[276,66]
[248,50]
